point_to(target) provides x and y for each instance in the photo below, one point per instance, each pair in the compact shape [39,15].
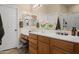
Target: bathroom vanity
[51,43]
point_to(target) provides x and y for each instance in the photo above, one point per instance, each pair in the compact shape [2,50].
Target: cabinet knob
[15,29]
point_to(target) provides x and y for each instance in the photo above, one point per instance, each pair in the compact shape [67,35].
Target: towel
[1,30]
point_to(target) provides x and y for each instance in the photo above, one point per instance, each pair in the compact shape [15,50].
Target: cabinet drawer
[55,50]
[32,50]
[33,45]
[33,40]
[26,37]
[22,36]
[43,39]
[34,36]
[43,48]
[62,44]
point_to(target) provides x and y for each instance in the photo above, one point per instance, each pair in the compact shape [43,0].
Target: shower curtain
[1,30]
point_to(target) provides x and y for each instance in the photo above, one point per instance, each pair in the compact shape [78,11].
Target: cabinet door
[43,48]
[68,46]
[33,46]
[32,50]
[56,50]
[33,40]
[43,39]
[34,36]
[76,48]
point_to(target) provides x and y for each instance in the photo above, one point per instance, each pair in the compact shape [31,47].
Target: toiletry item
[37,25]
[64,24]
[77,32]
[58,26]
[73,31]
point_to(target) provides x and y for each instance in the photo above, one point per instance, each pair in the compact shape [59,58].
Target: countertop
[52,34]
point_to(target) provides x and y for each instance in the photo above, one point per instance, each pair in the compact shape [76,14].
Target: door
[9,19]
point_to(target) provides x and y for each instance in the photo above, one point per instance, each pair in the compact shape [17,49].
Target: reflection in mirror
[71,20]
[49,13]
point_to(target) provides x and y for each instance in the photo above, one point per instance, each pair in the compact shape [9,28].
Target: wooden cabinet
[24,41]
[34,36]
[43,39]
[43,48]
[76,48]
[39,44]
[43,44]
[33,43]
[32,50]
[22,36]
[60,46]
[56,50]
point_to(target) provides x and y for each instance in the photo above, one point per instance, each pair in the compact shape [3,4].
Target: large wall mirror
[72,20]
[48,15]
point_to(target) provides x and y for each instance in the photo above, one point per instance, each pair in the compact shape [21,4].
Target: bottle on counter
[37,25]
[73,33]
[58,26]
[77,32]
